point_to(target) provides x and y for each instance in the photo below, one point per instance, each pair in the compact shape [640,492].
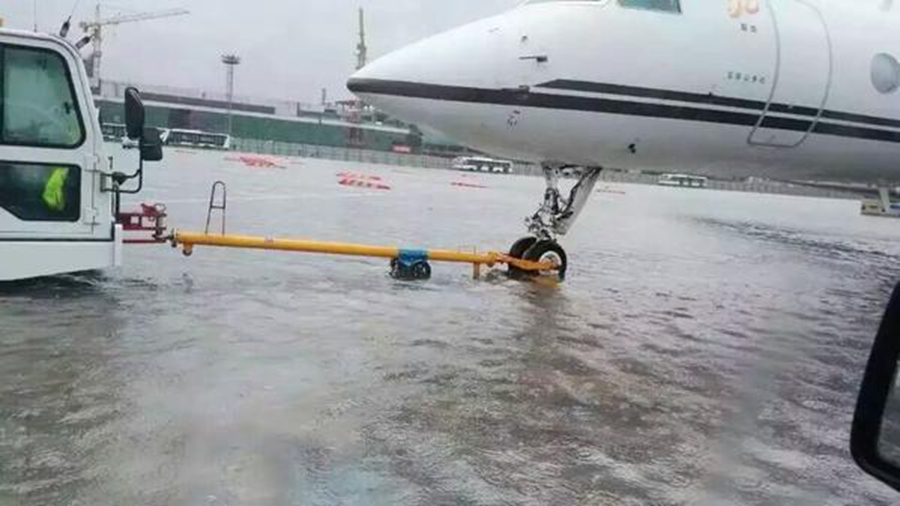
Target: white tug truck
[59,193]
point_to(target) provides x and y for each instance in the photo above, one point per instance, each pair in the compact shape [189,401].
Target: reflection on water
[59,342]
[705,350]
[889,439]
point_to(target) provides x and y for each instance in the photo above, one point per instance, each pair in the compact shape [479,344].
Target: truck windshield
[37,101]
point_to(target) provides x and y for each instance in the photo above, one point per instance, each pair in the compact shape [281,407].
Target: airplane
[786,89]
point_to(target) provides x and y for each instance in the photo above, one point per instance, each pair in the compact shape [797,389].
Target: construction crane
[95,30]
[355,134]
[362,50]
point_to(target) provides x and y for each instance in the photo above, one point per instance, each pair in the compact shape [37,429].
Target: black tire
[420,271]
[518,250]
[396,269]
[542,250]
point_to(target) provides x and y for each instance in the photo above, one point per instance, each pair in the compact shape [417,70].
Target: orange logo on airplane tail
[738,8]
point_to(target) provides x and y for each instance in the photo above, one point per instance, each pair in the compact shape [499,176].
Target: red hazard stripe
[357,175]
[357,183]
[467,185]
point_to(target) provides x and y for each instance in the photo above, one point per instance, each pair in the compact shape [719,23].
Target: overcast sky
[291,48]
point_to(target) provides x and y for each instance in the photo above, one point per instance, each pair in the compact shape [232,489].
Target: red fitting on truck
[151,218]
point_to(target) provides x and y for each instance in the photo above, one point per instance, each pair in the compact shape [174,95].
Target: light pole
[231,61]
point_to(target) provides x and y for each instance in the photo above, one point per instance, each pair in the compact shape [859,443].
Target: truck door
[47,162]
[803,75]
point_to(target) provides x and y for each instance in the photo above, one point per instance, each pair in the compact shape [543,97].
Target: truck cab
[58,195]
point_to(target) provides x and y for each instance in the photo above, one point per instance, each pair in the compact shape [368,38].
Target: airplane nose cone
[421,63]
[463,57]
[356,82]
[464,83]
[360,82]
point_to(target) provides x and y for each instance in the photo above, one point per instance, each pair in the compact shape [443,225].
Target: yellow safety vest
[55,190]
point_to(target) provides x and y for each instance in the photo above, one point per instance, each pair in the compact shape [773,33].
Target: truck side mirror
[875,438]
[151,145]
[134,113]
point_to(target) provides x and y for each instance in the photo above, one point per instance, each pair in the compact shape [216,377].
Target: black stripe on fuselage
[528,98]
[711,99]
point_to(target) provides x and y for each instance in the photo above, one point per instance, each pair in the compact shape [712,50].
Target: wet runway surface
[706,349]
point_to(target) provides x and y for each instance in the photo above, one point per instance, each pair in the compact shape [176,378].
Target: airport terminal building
[254,120]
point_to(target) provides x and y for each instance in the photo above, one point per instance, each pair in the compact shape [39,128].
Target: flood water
[706,349]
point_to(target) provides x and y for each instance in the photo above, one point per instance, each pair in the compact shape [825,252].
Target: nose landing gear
[554,218]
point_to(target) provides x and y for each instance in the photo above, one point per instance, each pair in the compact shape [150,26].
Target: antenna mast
[231,61]
[362,50]
[354,116]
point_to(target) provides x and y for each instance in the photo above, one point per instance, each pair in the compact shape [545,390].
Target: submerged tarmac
[705,349]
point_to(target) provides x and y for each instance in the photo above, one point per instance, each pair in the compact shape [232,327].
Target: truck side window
[39,192]
[37,103]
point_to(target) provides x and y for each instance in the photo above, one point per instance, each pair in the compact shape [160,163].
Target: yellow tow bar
[405,263]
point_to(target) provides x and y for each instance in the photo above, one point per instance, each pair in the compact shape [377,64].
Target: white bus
[683,180]
[113,132]
[482,164]
[196,139]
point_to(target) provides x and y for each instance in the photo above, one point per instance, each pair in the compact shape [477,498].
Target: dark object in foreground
[410,271]
[875,439]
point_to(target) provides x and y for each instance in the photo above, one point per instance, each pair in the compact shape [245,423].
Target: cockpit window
[673,6]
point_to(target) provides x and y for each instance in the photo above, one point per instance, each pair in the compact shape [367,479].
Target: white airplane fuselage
[776,88]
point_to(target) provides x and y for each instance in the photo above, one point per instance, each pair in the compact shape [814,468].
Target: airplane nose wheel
[549,251]
[518,250]
[530,248]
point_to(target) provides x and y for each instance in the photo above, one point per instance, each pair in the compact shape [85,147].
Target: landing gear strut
[554,218]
